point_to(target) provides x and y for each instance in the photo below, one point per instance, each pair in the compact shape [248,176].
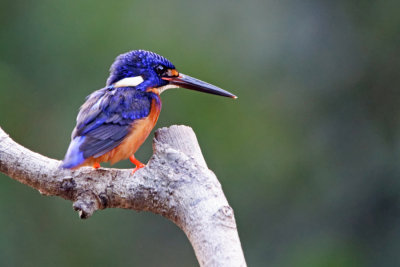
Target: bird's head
[148,71]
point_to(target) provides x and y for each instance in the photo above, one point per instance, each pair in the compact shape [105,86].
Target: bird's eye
[160,69]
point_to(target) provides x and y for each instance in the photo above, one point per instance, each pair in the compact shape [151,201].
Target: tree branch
[176,183]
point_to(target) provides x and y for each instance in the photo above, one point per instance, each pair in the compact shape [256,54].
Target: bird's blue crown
[139,63]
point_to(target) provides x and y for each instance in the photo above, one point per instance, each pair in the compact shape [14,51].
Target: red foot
[96,165]
[138,164]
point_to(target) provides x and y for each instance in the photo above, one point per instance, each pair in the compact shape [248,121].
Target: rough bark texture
[176,183]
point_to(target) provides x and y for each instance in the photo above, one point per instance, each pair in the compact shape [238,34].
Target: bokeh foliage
[308,155]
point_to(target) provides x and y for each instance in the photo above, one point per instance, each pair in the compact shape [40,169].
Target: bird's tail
[74,157]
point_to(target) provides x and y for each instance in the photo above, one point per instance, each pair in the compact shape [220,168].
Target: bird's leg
[96,165]
[138,164]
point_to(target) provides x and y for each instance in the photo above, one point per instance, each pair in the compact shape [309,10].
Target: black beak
[185,81]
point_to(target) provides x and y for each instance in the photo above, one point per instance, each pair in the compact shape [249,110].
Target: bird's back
[111,117]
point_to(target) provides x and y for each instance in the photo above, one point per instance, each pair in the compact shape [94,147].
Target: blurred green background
[308,156]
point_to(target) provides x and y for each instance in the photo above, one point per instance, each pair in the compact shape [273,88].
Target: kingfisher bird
[115,121]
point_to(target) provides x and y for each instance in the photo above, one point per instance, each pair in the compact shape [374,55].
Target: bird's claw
[138,164]
[137,168]
[96,165]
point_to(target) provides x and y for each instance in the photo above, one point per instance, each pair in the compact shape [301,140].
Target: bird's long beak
[185,81]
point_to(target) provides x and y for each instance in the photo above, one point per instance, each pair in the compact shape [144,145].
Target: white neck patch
[166,87]
[129,82]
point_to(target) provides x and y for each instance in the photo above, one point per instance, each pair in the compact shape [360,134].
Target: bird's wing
[103,122]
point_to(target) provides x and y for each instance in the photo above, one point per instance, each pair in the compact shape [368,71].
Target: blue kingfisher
[115,121]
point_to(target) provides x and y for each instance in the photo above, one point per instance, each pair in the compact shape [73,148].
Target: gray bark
[176,184]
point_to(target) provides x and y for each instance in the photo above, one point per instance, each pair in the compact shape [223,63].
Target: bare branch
[176,183]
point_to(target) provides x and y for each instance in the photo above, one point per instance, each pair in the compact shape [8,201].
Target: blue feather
[74,156]
[104,121]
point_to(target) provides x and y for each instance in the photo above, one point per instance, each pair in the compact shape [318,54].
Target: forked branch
[176,183]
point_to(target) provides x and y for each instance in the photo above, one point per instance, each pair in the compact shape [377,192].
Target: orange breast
[138,134]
